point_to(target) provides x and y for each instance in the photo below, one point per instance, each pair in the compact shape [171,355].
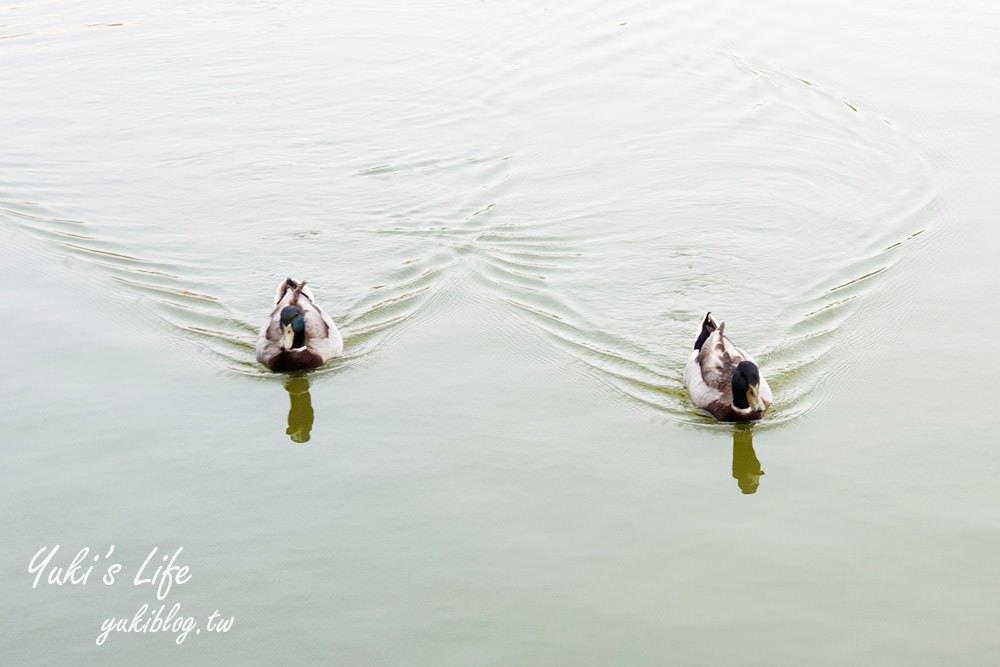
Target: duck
[298,335]
[724,380]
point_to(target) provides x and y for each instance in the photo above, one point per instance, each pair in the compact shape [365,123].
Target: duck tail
[285,285]
[289,285]
[708,325]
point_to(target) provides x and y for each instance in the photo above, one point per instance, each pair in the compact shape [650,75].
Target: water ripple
[604,176]
[195,315]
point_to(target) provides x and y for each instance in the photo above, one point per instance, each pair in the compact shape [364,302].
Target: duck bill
[287,337]
[754,399]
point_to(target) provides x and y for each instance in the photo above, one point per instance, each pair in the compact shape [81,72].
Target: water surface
[517,214]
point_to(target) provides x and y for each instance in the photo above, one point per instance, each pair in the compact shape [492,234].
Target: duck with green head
[724,380]
[298,334]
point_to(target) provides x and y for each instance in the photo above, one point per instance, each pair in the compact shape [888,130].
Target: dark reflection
[300,412]
[746,466]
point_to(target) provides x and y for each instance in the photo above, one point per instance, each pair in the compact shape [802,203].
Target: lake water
[517,214]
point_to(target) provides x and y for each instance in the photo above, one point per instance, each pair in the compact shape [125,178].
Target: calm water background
[517,214]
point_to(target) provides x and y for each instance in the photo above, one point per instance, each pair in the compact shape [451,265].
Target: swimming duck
[723,379]
[298,335]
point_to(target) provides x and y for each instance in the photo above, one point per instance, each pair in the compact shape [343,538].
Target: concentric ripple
[203,319]
[603,175]
[669,183]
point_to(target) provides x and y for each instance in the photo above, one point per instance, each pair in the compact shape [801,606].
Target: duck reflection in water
[300,412]
[746,466]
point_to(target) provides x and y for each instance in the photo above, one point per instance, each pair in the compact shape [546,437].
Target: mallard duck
[723,379]
[298,334]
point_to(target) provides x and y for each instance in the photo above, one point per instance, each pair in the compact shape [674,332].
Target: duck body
[724,380]
[298,335]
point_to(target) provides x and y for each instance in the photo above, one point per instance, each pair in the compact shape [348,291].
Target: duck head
[746,388]
[293,328]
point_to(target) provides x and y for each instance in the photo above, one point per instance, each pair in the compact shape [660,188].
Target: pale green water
[517,214]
